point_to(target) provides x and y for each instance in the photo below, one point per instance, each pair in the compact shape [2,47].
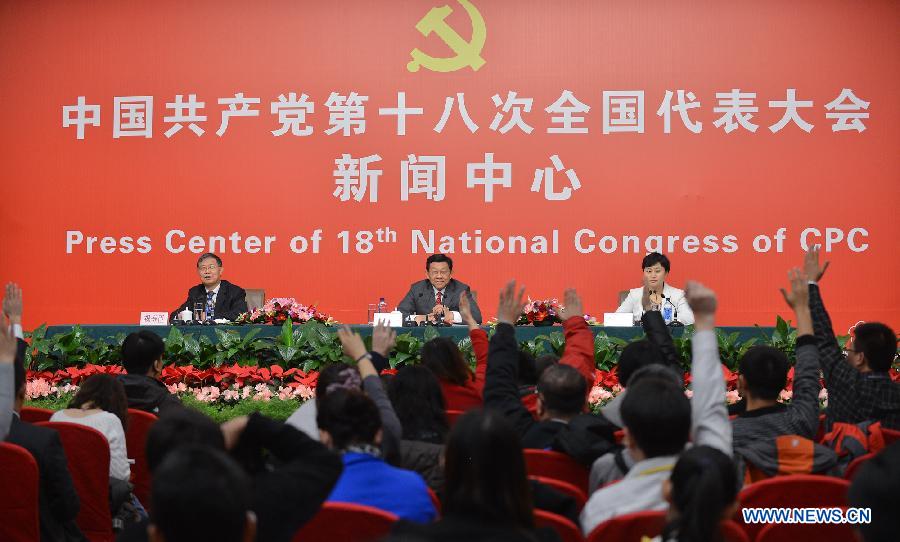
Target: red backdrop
[249,181]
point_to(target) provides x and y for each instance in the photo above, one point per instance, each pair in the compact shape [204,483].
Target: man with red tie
[436,299]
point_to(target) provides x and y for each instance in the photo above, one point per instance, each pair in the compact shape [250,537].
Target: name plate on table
[618,319]
[393,319]
[154,319]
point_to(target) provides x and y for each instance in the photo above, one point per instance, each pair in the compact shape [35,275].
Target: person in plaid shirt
[859,384]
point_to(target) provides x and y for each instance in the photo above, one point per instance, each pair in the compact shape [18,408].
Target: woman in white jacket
[655,294]
[101,404]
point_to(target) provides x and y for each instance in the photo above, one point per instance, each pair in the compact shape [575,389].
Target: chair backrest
[630,527]
[139,423]
[452,416]
[792,532]
[567,531]
[565,488]
[634,527]
[556,465]
[435,501]
[35,414]
[796,491]
[854,465]
[87,453]
[19,488]
[890,435]
[346,522]
[255,297]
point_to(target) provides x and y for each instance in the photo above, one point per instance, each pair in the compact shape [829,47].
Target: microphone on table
[674,322]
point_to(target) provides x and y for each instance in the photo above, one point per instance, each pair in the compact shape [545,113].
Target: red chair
[435,501]
[19,486]
[792,532]
[855,465]
[139,422]
[629,527]
[795,491]
[634,527]
[87,453]
[564,488]
[453,415]
[890,436]
[346,522]
[558,466]
[567,531]
[35,415]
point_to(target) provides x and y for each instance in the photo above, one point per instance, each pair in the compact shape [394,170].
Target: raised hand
[511,304]
[811,266]
[572,305]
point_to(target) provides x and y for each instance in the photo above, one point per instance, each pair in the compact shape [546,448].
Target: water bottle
[382,306]
[667,310]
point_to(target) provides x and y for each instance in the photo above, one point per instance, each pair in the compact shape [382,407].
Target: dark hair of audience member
[419,403]
[438,258]
[337,376]
[765,370]
[657,370]
[635,356]
[657,415]
[139,350]
[703,486]
[350,417]
[542,363]
[656,258]
[104,392]
[879,344]
[877,486]
[179,427]
[484,470]
[199,493]
[527,374]
[443,357]
[562,391]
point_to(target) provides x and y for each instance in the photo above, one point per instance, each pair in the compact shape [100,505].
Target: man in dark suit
[220,298]
[437,297]
[57,500]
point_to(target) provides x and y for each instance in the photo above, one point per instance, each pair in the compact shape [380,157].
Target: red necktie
[440,298]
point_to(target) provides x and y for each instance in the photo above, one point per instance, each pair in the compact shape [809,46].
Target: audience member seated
[100,403]
[10,347]
[487,496]
[291,474]
[364,376]
[859,386]
[614,466]
[659,418]
[763,374]
[419,403]
[142,353]
[199,493]
[702,492]
[877,486]
[349,423]
[58,503]
[562,424]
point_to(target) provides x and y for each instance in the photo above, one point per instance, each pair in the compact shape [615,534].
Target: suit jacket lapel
[220,297]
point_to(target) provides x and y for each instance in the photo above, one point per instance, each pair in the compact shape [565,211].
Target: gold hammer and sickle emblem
[467,53]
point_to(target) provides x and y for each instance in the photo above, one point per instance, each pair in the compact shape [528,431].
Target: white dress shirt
[633,304]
